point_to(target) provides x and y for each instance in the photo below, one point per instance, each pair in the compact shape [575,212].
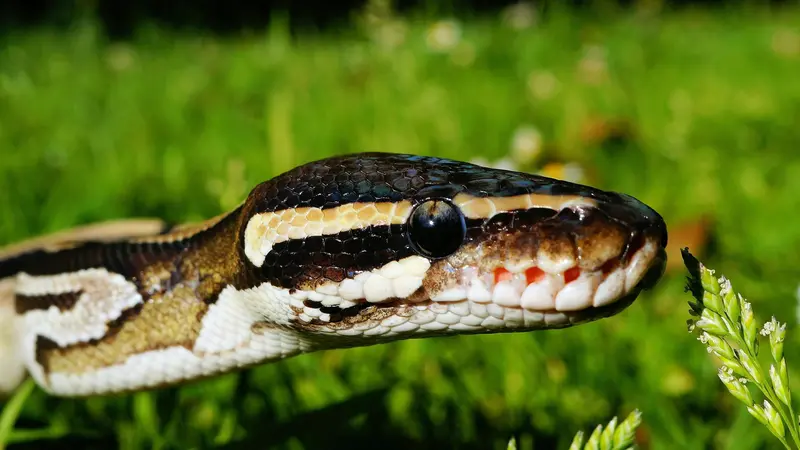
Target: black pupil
[436,228]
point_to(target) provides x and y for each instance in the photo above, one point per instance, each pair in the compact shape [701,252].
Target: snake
[347,251]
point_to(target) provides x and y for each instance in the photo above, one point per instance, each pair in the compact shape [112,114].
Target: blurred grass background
[694,110]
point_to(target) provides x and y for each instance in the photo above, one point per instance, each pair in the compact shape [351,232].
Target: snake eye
[436,228]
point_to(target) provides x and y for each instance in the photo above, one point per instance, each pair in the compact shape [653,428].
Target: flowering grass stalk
[727,326]
[612,437]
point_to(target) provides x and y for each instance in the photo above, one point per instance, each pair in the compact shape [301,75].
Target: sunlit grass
[695,114]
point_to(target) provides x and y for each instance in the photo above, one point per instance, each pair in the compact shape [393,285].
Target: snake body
[346,251]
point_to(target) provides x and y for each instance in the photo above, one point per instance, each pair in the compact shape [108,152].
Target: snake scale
[347,251]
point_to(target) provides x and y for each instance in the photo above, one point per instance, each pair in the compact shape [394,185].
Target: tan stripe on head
[485,207]
[267,229]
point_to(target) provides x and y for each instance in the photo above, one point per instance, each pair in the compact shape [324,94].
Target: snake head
[373,247]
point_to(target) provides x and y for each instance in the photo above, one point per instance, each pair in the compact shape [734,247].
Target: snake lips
[347,251]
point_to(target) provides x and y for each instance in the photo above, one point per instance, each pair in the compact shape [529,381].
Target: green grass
[181,126]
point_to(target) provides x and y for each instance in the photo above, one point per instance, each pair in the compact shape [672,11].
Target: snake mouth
[559,297]
[510,297]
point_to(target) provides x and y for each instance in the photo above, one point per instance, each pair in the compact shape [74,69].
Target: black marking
[387,177]
[63,301]
[304,263]
[123,258]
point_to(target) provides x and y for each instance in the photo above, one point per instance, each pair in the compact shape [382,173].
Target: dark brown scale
[63,301]
[499,223]
[335,274]
[312,304]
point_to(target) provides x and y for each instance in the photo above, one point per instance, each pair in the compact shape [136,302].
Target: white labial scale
[541,295]
[328,289]
[478,292]
[506,293]
[406,285]
[578,294]
[350,289]
[397,279]
[611,288]
[377,288]
[639,265]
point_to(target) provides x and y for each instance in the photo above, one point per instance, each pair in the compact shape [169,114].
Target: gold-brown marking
[177,295]
[484,207]
[173,319]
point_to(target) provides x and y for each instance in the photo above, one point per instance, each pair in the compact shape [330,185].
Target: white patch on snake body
[174,364]
[228,322]
[104,297]
[12,365]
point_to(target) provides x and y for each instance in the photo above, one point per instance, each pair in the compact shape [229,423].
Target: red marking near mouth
[501,274]
[571,275]
[533,275]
